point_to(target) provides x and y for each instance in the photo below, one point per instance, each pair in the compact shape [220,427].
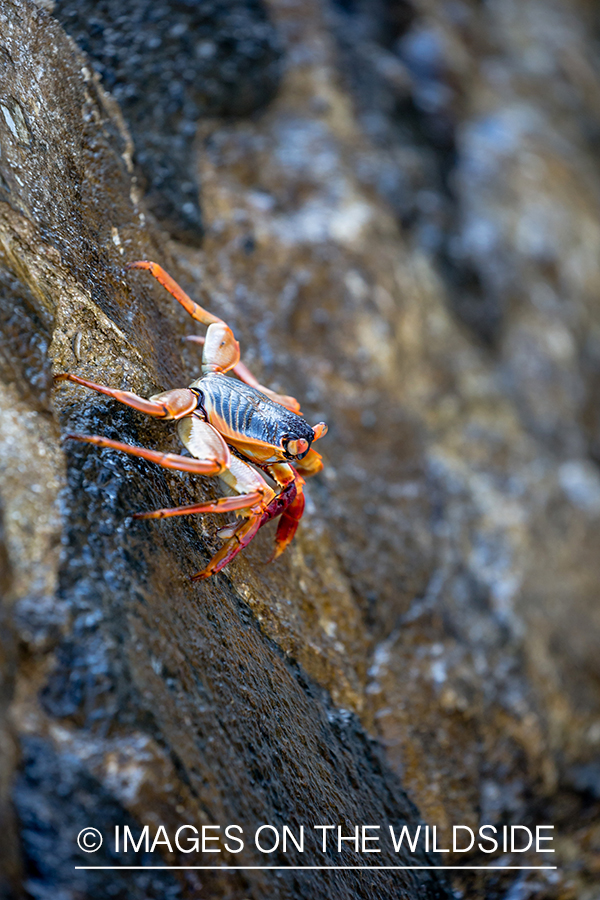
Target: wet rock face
[169,64]
[495,175]
[433,627]
[136,696]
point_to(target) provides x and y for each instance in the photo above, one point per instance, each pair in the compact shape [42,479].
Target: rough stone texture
[168,64]
[406,239]
[139,697]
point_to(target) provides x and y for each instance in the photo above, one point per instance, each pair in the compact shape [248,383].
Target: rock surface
[406,239]
[169,64]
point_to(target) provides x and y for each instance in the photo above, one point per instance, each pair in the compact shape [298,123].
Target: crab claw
[310,465]
[288,523]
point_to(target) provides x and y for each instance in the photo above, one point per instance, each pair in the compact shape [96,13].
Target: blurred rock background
[396,206]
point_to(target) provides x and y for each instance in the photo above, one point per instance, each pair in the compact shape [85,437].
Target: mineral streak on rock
[441,595]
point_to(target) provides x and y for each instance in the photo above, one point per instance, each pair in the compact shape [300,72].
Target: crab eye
[295,447]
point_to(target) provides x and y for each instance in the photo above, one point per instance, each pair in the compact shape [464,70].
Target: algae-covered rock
[425,651]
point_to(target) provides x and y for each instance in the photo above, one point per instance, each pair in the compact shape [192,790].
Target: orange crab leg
[169,405]
[166,460]
[247,481]
[224,504]
[311,464]
[194,309]
[240,538]
[221,350]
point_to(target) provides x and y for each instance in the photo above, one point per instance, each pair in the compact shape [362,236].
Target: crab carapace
[233,428]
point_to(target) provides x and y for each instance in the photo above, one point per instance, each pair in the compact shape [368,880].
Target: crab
[234,428]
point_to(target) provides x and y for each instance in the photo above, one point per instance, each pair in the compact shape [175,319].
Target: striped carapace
[241,413]
[233,427]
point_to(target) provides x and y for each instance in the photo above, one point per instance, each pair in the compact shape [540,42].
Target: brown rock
[440,596]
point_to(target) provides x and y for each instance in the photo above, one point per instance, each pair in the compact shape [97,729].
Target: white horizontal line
[370,868]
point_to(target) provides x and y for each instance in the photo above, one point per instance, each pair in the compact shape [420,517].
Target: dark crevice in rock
[168,65]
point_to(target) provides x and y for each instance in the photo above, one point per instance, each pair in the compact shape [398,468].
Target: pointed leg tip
[200,576]
[276,553]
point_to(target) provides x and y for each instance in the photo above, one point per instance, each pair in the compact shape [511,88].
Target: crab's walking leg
[248,482]
[311,464]
[215,460]
[221,350]
[168,405]
[223,505]
[194,309]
